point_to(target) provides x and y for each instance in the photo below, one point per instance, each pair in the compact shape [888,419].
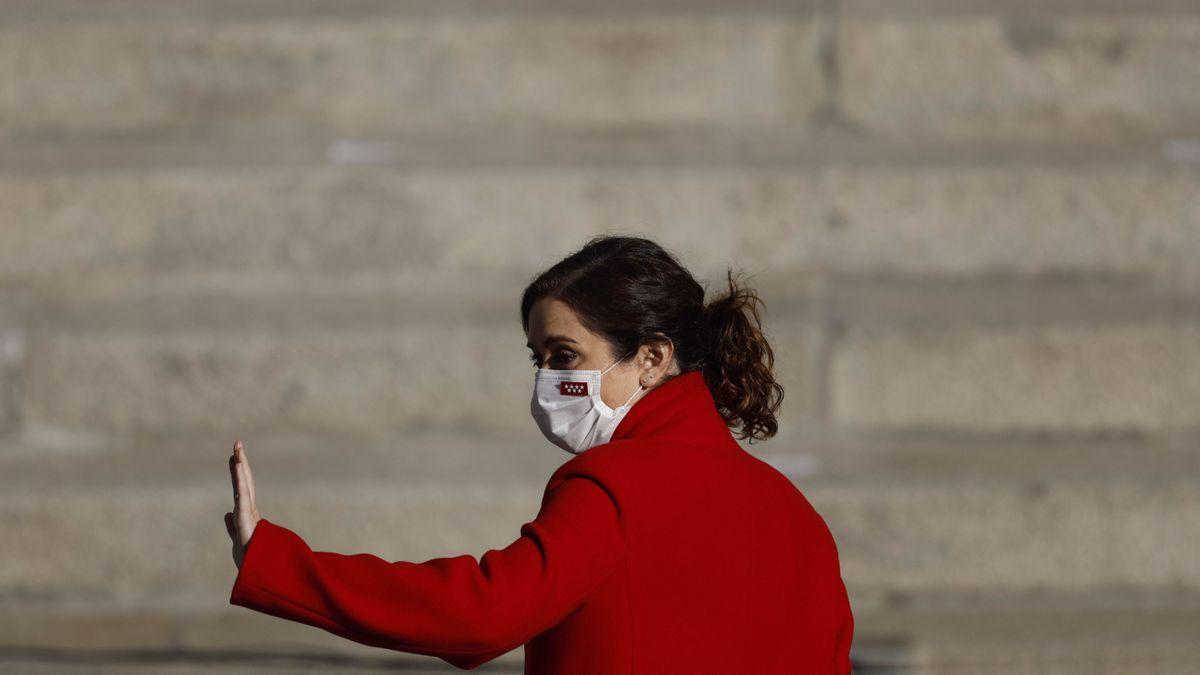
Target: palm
[240,522]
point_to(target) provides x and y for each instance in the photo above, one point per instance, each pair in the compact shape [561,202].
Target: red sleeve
[463,611]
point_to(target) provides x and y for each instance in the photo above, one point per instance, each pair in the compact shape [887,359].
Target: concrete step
[297,75]
[385,361]
[1043,70]
[857,357]
[214,68]
[909,519]
[1087,516]
[842,209]
[150,516]
[1053,634]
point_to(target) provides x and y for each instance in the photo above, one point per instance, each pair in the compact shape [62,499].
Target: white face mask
[568,409]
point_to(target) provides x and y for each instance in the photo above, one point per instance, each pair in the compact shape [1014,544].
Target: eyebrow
[552,338]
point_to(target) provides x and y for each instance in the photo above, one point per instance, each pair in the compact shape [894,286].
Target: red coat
[669,549]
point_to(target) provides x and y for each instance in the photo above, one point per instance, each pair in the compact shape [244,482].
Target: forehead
[549,317]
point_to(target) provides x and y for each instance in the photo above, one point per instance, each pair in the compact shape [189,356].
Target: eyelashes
[555,358]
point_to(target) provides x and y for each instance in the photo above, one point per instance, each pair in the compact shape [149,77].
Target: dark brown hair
[629,290]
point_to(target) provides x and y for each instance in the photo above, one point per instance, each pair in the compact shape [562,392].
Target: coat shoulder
[603,464]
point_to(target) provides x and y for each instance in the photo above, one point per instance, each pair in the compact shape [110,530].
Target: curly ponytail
[739,368]
[631,290]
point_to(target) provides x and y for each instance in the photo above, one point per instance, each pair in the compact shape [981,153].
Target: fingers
[249,474]
[240,493]
[233,477]
[245,489]
[243,493]
[240,523]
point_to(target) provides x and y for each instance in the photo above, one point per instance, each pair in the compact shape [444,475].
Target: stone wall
[975,226]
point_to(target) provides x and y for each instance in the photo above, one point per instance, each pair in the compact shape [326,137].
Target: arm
[463,611]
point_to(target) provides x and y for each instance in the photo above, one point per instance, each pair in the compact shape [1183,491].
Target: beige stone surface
[292,75]
[1035,75]
[912,518]
[975,224]
[1105,378]
[1138,220]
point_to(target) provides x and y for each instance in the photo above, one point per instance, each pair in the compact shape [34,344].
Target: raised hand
[240,522]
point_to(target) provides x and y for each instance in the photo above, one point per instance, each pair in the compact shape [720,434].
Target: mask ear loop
[635,393]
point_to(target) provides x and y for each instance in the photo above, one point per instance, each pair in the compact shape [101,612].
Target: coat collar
[681,406]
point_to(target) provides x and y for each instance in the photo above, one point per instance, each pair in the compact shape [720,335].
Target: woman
[661,546]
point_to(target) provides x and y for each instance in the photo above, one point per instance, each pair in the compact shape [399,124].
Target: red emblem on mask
[573,388]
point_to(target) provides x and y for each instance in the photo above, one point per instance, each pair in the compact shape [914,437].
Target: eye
[560,357]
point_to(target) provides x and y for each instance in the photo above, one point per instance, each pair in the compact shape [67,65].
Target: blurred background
[975,226]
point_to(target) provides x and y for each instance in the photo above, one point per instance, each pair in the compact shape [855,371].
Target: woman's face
[558,341]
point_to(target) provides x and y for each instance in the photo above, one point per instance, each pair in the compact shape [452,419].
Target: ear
[655,358]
